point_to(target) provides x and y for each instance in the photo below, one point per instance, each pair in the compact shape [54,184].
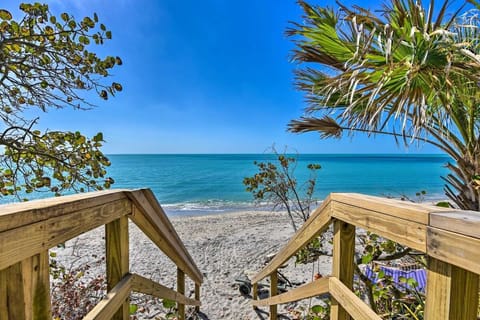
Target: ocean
[212,183]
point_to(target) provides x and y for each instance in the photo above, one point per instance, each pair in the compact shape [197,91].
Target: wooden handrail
[143,285]
[450,239]
[319,220]
[352,304]
[105,309]
[148,211]
[312,289]
[28,230]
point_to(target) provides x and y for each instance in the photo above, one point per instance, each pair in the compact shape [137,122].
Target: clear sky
[210,76]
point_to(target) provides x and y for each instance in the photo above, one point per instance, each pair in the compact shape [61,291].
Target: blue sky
[209,76]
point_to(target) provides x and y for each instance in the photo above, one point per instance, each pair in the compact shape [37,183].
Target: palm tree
[400,72]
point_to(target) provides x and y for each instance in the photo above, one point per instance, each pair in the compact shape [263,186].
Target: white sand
[223,247]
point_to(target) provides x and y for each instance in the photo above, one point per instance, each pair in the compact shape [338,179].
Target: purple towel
[419,275]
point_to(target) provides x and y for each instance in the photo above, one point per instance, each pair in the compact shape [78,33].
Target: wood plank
[254,293]
[414,212]
[26,241]
[454,248]
[117,263]
[305,291]
[36,280]
[316,224]
[273,293]
[197,296]
[157,237]
[15,294]
[407,233]
[180,290]
[147,286]
[109,305]
[343,263]
[25,289]
[3,294]
[358,309]
[463,222]
[19,214]
[151,219]
[452,292]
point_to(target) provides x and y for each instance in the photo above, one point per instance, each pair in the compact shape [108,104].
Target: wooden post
[3,295]
[15,293]
[255,291]
[37,281]
[116,237]
[343,262]
[197,296]
[452,292]
[181,289]
[25,289]
[273,292]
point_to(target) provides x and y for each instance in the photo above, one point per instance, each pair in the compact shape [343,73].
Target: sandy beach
[224,247]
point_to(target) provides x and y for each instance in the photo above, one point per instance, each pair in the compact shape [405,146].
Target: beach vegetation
[407,71]
[47,63]
[275,184]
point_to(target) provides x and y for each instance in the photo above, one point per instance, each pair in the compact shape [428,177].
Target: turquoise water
[195,184]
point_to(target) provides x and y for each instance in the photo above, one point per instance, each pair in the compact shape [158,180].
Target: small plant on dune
[275,183]
[75,290]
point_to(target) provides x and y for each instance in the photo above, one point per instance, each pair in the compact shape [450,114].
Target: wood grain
[396,208]
[147,286]
[28,240]
[305,291]
[273,293]
[462,222]
[108,306]
[317,223]
[180,290]
[24,213]
[452,292]
[156,226]
[355,307]
[454,248]
[343,263]
[408,233]
[117,262]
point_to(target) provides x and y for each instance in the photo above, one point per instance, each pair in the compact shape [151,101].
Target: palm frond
[327,126]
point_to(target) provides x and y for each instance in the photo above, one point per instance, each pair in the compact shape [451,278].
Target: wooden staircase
[449,238]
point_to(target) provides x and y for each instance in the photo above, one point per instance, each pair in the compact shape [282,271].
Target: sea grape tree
[275,183]
[47,62]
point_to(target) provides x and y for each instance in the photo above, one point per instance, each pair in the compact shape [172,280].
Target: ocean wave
[212,206]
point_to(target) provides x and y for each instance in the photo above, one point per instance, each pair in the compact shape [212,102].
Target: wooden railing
[449,238]
[28,230]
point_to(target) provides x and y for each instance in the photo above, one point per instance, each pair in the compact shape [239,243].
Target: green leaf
[317,308]
[168,304]
[367,258]
[133,308]
[5,15]
[443,204]
[98,137]
[117,86]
